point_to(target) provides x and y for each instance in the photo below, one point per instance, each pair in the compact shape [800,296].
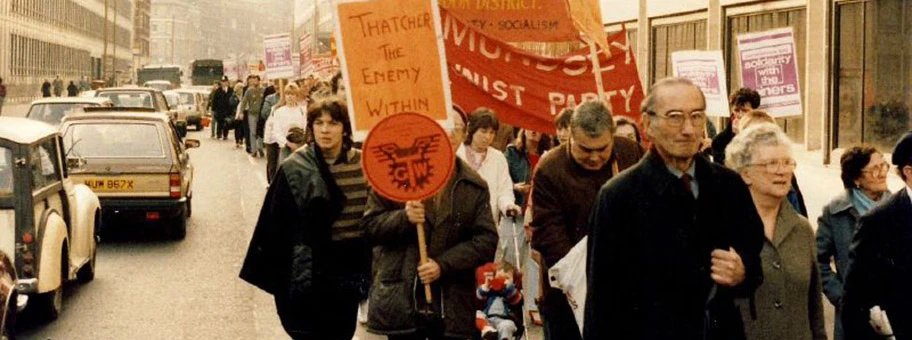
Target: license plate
[110,184]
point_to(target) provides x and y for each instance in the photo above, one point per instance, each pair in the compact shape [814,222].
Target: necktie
[685,181]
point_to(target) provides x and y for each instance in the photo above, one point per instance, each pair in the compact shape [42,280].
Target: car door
[48,195]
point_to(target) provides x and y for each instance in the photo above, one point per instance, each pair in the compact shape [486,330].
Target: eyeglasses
[879,169]
[787,164]
[677,119]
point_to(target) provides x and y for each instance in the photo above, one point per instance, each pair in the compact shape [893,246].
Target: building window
[873,64]
[764,21]
[670,38]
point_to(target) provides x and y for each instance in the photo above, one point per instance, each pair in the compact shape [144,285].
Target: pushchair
[516,310]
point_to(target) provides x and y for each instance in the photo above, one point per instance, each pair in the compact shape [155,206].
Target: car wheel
[49,304]
[87,272]
[179,229]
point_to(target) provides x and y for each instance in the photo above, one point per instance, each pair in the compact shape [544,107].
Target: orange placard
[392,59]
[517,20]
[407,157]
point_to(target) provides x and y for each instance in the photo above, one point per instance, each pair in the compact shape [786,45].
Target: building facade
[854,57]
[142,30]
[40,39]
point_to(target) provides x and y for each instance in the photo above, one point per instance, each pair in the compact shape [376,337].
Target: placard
[278,56]
[392,59]
[706,70]
[517,20]
[769,65]
[407,157]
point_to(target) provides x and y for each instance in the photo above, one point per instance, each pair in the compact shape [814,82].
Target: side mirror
[75,163]
[191,143]
[181,127]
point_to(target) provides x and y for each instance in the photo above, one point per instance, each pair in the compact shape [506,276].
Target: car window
[173,99]
[187,98]
[6,172]
[129,99]
[54,113]
[44,164]
[114,140]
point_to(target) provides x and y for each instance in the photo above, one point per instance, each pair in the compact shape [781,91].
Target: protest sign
[517,20]
[706,70]
[407,157]
[278,56]
[392,60]
[527,90]
[307,66]
[769,65]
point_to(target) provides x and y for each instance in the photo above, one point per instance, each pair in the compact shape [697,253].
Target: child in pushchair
[499,286]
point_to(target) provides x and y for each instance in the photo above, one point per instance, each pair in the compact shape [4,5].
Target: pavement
[152,288]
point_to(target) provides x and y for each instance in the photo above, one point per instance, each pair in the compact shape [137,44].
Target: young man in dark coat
[460,237]
[221,106]
[564,190]
[881,271]
[308,249]
[674,239]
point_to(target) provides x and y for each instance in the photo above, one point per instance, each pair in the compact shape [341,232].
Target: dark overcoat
[649,261]
[880,272]
[292,255]
[460,237]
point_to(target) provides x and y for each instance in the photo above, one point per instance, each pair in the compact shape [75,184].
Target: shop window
[764,21]
[667,39]
[873,78]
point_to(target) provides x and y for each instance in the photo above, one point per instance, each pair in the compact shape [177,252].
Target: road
[148,287]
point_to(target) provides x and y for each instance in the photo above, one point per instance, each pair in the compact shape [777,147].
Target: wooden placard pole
[422,259]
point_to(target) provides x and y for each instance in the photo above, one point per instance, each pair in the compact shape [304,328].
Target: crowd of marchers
[684,233]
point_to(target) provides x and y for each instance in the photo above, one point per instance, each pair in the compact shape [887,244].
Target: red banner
[528,90]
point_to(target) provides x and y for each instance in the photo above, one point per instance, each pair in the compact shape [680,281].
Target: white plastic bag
[569,275]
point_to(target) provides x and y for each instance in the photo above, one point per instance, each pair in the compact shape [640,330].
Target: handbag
[230,123]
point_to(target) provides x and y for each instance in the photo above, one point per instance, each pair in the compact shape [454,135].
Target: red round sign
[407,157]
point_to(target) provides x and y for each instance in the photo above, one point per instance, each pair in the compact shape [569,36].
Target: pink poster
[769,64]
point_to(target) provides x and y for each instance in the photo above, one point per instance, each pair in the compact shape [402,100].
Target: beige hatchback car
[137,164]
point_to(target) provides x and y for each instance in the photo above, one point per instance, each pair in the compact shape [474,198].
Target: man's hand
[727,268]
[429,272]
[415,211]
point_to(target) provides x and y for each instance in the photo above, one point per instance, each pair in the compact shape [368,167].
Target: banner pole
[597,72]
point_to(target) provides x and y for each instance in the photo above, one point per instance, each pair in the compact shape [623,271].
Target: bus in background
[206,71]
[169,73]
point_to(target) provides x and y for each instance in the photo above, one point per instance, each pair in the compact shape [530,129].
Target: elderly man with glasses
[675,239]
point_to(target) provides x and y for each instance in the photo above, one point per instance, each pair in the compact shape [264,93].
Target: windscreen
[114,140]
[129,99]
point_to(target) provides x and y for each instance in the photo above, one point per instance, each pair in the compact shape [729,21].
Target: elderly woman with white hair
[788,304]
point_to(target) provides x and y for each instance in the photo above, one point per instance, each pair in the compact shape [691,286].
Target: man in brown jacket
[565,186]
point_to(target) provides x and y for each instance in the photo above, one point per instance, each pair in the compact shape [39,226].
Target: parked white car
[48,222]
